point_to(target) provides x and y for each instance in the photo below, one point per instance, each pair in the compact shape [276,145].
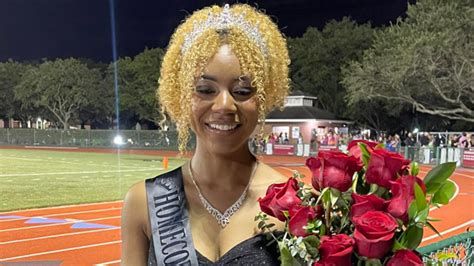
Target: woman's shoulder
[136,196]
[268,175]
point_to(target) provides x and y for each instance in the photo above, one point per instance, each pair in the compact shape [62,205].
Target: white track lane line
[83,172]
[54,236]
[61,250]
[56,224]
[61,207]
[108,263]
[59,214]
[449,230]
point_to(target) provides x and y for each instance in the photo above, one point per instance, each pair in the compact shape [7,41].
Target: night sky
[36,29]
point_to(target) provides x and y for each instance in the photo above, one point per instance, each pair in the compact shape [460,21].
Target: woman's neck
[222,171]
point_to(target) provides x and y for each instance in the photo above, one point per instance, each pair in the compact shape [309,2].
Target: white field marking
[83,172]
[54,236]
[62,207]
[17,158]
[61,250]
[55,224]
[68,162]
[108,263]
[36,179]
[61,214]
[449,230]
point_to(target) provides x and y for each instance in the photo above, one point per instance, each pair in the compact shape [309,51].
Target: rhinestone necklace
[222,218]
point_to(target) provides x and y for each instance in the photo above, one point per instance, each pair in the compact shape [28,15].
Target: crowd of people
[393,142]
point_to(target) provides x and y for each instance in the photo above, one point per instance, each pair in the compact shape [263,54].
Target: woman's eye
[205,90]
[242,91]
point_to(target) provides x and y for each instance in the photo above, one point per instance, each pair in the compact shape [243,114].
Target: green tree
[138,82]
[100,109]
[11,73]
[424,61]
[61,86]
[317,58]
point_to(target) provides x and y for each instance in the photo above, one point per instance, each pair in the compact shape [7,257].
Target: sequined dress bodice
[253,251]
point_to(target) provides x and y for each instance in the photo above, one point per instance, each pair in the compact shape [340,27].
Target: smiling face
[224,105]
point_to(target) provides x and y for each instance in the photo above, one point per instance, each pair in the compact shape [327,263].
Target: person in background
[463,141]
[410,143]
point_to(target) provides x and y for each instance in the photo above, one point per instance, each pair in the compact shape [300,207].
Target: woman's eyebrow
[205,76]
[242,78]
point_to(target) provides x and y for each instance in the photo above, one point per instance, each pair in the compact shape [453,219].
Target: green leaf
[414,169]
[422,215]
[312,243]
[419,197]
[444,193]
[365,153]
[355,179]
[397,246]
[334,196]
[373,188]
[430,219]
[322,230]
[322,195]
[433,228]
[285,255]
[437,176]
[412,210]
[380,146]
[412,237]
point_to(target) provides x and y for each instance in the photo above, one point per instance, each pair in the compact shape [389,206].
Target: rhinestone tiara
[221,23]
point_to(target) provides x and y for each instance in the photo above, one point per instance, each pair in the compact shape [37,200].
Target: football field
[45,178]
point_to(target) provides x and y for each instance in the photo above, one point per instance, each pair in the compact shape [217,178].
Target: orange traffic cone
[165,163]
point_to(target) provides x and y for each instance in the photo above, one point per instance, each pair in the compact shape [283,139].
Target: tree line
[415,73]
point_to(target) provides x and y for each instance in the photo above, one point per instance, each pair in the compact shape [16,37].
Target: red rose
[374,233]
[300,216]
[280,197]
[355,151]
[335,250]
[384,166]
[333,169]
[364,203]
[405,258]
[403,193]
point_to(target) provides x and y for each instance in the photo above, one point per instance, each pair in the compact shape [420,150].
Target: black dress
[253,251]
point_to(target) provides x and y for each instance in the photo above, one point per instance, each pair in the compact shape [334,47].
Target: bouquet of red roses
[367,207]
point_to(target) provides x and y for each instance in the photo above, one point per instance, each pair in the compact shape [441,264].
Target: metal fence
[150,139]
[421,155]
[156,139]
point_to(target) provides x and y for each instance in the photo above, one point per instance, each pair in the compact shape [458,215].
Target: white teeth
[223,127]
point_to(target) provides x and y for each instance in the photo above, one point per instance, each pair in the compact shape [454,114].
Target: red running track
[58,242]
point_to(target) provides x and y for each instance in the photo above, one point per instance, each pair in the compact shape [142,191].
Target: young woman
[224,69]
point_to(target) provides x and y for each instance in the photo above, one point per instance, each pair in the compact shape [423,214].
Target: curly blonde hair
[268,69]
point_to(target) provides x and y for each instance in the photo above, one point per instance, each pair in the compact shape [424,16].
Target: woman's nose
[224,102]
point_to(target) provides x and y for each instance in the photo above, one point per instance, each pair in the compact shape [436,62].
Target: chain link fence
[147,139]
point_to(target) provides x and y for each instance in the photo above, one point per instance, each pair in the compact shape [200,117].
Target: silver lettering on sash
[169,220]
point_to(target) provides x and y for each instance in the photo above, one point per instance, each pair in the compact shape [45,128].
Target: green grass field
[31,179]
